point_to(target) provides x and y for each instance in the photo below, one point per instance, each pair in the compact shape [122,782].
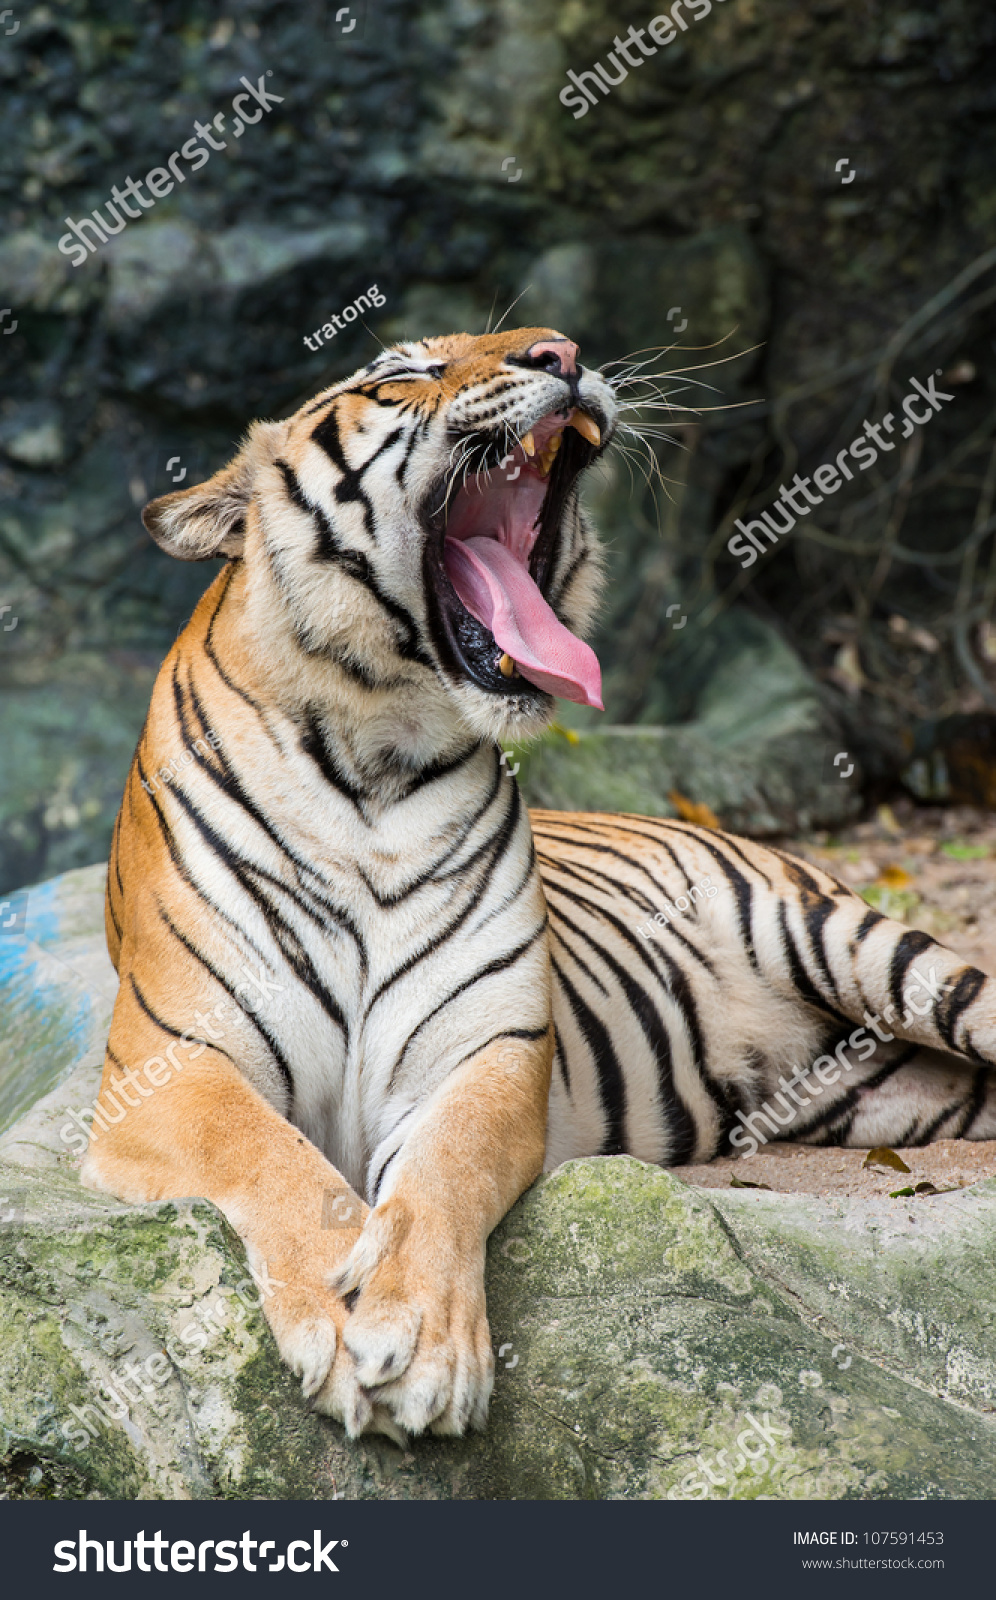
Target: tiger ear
[209,519]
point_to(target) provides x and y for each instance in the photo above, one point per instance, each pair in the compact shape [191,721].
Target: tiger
[366,997]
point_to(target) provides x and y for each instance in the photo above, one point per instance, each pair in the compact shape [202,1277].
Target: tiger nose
[554,355]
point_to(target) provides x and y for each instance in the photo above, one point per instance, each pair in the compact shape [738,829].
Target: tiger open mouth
[490,557]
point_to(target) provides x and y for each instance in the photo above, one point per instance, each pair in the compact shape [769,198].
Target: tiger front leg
[189,1123]
[418,1331]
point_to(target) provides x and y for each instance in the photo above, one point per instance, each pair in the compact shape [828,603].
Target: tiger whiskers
[465,448]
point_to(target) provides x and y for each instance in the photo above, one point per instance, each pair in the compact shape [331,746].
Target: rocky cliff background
[797,203]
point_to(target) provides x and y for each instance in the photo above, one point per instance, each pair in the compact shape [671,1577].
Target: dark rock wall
[426,151]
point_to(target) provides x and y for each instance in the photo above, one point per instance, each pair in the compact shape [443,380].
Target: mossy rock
[642,1328]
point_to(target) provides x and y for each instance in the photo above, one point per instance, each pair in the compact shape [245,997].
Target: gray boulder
[653,1341]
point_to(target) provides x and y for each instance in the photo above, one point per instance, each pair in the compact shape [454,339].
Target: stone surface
[642,1327]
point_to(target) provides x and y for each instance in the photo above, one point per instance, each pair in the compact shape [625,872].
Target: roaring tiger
[365,998]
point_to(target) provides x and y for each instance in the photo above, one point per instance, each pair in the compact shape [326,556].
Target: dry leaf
[693,810]
[924,1187]
[846,671]
[745,1183]
[882,1156]
[920,637]
[893,877]
[924,640]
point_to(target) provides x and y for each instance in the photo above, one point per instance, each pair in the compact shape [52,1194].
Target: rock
[32,434]
[67,748]
[34,276]
[692,294]
[652,1341]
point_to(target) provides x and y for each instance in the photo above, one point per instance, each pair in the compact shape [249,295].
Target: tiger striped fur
[372,999]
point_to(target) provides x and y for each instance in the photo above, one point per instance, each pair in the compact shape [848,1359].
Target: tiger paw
[417,1334]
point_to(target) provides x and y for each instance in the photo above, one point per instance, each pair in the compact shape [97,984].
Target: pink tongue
[497,590]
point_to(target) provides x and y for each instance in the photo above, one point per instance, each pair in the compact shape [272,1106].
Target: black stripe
[328,437]
[225,778]
[315,748]
[249,875]
[952,1007]
[635,895]
[743,894]
[436,770]
[497,847]
[558,917]
[531,1034]
[912,944]
[499,964]
[678,1119]
[470,823]
[870,920]
[251,879]
[401,470]
[800,976]
[582,873]
[611,1082]
[434,871]
[212,654]
[849,1100]
[511,895]
[324,400]
[925,1135]
[375,1191]
[604,849]
[116,864]
[977,1099]
[816,909]
[250,1016]
[560,1057]
[329,547]
[184,1037]
[569,576]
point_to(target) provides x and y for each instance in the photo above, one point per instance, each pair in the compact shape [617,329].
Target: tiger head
[416,529]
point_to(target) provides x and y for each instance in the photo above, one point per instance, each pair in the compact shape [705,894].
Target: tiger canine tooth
[587,427]
[528,443]
[506,666]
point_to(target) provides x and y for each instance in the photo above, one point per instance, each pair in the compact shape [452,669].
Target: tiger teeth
[528,443]
[587,427]
[506,666]
[549,455]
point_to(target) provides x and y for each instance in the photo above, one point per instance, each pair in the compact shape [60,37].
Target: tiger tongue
[497,589]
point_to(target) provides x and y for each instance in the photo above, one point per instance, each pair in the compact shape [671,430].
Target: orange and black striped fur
[364,997]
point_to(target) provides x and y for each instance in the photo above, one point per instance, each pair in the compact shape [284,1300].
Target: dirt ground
[932,868]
